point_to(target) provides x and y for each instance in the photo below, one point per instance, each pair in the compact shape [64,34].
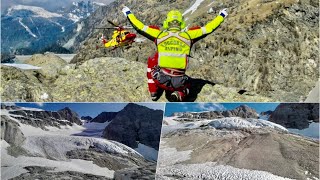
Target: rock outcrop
[243,111]
[136,124]
[252,50]
[10,131]
[104,117]
[42,119]
[87,118]
[50,66]
[295,115]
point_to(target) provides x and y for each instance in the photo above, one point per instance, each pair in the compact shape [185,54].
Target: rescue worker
[166,70]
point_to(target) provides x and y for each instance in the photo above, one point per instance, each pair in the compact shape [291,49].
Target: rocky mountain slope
[235,148]
[98,80]
[104,117]
[295,115]
[253,49]
[136,124]
[41,119]
[62,151]
[243,111]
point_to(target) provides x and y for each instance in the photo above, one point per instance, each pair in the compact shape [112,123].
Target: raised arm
[150,32]
[201,32]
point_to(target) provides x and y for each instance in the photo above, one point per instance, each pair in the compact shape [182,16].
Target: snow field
[13,166]
[210,170]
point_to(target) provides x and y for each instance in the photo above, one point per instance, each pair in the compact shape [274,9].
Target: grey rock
[39,172]
[243,111]
[10,131]
[87,118]
[50,65]
[41,119]
[144,172]
[295,115]
[108,160]
[251,50]
[104,117]
[136,124]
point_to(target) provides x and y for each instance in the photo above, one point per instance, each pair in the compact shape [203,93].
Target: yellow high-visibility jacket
[174,46]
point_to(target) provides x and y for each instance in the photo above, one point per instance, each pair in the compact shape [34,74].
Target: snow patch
[21,66]
[312,131]
[193,8]
[14,166]
[147,152]
[71,41]
[38,11]
[27,28]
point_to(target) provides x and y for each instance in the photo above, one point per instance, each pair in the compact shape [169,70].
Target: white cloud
[210,107]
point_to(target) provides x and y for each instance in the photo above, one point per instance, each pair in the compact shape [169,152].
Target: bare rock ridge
[243,111]
[43,118]
[295,115]
[136,124]
[87,118]
[104,117]
[10,131]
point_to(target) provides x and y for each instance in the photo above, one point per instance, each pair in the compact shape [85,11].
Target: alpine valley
[42,144]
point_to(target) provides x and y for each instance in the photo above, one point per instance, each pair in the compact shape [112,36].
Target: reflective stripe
[148,69]
[171,34]
[171,54]
[150,81]
[145,28]
[204,30]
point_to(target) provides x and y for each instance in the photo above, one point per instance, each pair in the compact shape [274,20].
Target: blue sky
[93,109]
[88,109]
[198,107]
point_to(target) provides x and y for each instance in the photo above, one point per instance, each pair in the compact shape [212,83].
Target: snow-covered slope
[37,11]
[210,170]
[53,147]
[173,123]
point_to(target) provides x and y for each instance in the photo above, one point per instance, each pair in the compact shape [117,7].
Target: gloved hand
[126,11]
[103,39]
[223,12]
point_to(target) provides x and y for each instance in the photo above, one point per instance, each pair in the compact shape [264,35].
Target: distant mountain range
[32,29]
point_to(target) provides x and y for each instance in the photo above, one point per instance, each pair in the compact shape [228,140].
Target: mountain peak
[37,11]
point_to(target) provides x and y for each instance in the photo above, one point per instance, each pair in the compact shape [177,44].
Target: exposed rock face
[108,160]
[68,114]
[243,111]
[21,85]
[50,65]
[7,58]
[103,80]
[136,124]
[104,117]
[251,50]
[143,172]
[87,118]
[10,131]
[295,115]
[266,113]
[152,12]
[39,172]
[45,118]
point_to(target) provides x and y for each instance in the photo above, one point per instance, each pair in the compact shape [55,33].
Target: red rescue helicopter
[121,37]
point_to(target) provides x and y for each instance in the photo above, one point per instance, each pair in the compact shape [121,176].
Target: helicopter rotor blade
[112,23]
